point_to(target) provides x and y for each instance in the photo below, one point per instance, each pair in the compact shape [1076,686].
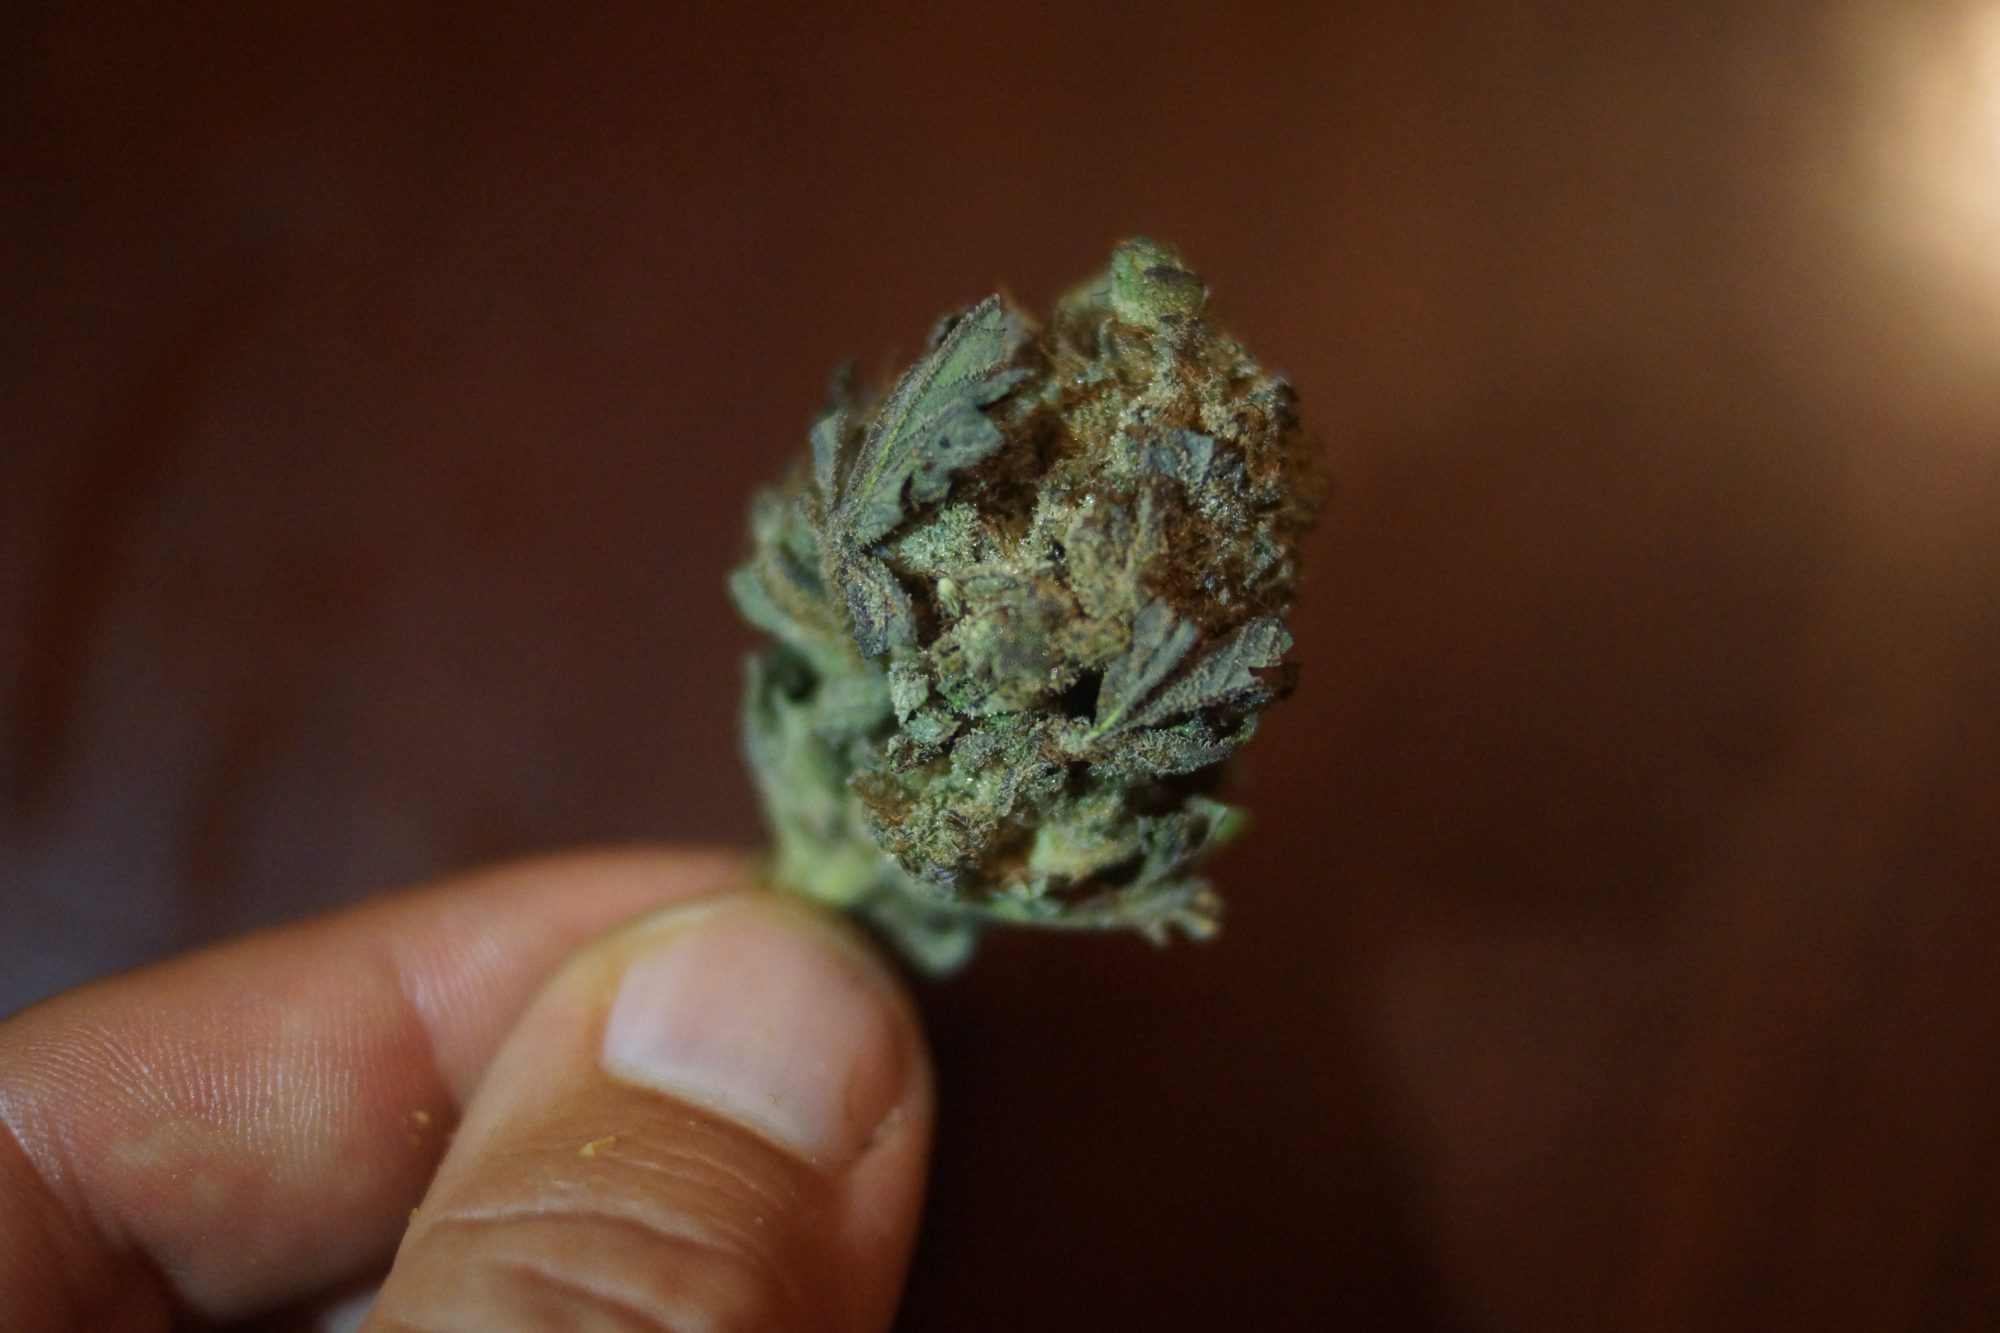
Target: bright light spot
[1988,53]
[1937,138]
[1913,179]
[1984,33]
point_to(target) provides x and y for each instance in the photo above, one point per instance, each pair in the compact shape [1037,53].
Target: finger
[250,1124]
[716,1119]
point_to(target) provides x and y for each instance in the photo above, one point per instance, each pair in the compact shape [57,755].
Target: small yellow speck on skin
[421,1117]
[596,1146]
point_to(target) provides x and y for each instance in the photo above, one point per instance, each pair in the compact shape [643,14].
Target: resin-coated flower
[1024,606]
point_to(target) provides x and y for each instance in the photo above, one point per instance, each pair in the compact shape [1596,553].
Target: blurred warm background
[1619,943]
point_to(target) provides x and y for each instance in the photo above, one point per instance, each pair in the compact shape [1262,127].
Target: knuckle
[659,1237]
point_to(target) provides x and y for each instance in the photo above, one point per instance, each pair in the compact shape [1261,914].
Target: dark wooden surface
[1617,945]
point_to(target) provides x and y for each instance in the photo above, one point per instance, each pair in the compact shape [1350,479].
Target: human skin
[615,1089]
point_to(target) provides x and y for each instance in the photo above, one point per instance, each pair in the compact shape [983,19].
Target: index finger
[248,1125]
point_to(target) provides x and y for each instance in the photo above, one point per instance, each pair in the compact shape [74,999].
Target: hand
[715,1117]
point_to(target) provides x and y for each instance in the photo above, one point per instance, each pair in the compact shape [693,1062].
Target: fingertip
[739,1068]
[766,1014]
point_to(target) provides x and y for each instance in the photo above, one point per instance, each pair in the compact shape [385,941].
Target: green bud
[1150,286]
[1024,604]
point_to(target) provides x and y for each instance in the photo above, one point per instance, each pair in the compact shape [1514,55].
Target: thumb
[717,1118]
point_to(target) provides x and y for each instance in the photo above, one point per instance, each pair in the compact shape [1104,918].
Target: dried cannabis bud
[1024,607]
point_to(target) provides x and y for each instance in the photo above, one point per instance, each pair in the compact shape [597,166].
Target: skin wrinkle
[650,1228]
[685,1227]
[205,1105]
[71,1071]
[166,1120]
[192,1101]
[278,1107]
[707,1172]
[22,1174]
[75,1292]
[398,1323]
[464,969]
[679,1158]
[690,1167]
[753,1264]
[405,986]
[636,1311]
[704,1186]
[289,1087]
[205,1108]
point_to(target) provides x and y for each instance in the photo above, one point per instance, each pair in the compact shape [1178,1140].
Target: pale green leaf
[1160,639]
[879,612]
[1226,676]
[932,425]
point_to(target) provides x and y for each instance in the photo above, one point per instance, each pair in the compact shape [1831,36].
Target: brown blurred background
[1619,942]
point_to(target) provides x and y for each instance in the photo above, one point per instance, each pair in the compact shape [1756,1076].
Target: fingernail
[763,1018]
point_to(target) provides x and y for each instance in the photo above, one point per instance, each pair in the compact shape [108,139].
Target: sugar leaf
[1185,747]
[1160,639]
[1225,676]
[931,425]
[878,606]
[829,433]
